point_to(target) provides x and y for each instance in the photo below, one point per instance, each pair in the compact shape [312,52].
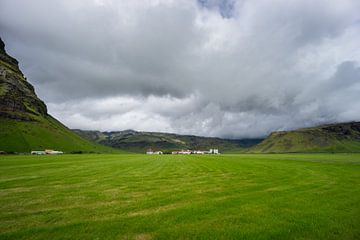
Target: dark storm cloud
[210,67]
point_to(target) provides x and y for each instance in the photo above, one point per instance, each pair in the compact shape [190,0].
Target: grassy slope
[45,133]
[311,196]
[316,139]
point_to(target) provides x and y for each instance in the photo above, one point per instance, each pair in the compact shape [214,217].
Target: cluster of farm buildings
[47,151]
[211,151]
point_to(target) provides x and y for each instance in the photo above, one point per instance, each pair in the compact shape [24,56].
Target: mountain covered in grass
[141,141]
[25,124]
[341,137]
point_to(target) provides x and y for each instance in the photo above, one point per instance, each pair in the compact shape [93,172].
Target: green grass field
[308,196]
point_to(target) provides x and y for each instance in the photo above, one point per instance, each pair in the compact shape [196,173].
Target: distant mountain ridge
[339,137]
[25,124]
[135,141]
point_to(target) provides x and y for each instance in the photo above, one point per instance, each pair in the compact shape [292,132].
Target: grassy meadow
[289,196]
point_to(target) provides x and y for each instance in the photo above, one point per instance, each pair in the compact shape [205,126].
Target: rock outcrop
[25,124]
[17,96]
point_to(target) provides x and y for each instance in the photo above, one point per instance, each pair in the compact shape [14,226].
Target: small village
[186,152]
[47,151]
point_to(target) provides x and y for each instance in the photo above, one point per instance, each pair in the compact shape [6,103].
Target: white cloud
[181,66]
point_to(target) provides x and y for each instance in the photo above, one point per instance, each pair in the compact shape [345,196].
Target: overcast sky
[222,68]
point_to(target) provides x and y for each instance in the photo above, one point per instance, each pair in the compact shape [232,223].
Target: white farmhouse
[213,151]
[53,152]
[38,152]
[150,151]
[185,152]
[182,152]
[47,151]
[198,152]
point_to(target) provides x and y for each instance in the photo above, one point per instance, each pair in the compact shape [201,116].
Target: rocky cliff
[17,96]
[25,124]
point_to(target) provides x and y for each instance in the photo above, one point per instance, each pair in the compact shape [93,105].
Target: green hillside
[342,137]
[47,133]
[141,141]
[25,124]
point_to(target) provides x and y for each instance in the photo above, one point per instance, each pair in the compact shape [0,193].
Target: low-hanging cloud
[208,67]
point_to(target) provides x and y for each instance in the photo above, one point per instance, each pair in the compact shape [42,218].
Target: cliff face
[17,96]
[25,124]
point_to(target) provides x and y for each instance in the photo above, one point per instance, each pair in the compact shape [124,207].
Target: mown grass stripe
[290,196]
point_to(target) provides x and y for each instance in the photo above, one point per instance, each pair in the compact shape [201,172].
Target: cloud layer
[208,67]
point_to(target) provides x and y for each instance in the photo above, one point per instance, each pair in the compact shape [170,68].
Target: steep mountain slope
[342,137]
[17,97]
[25,124]
[141,141]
